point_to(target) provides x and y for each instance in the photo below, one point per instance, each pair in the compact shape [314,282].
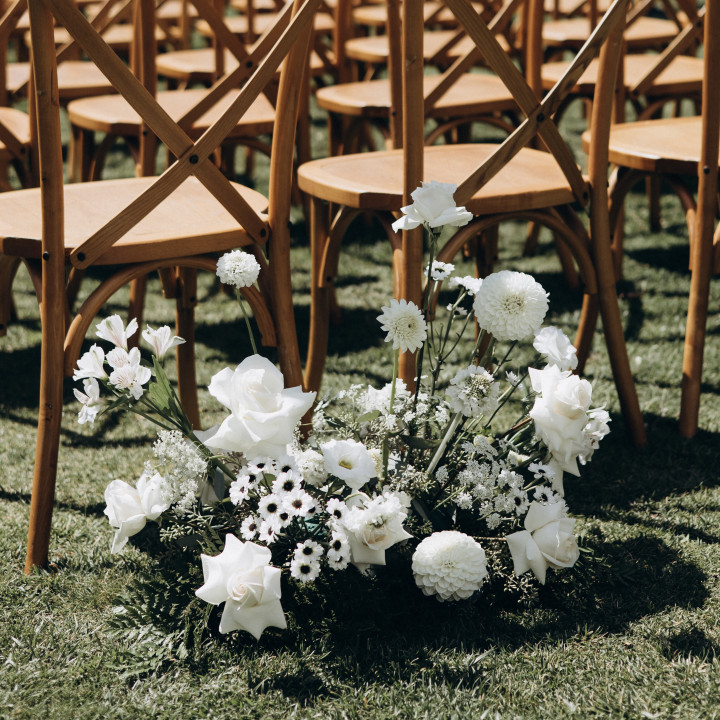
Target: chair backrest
[193,158]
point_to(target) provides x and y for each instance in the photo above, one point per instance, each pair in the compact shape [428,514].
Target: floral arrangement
[474,454]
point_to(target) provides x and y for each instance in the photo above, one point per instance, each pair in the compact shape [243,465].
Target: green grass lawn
[631,632]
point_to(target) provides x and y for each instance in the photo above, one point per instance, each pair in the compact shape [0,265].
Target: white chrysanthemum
[238,268]
[404,324]
[510,305]
[309,551]
[299,503]
[240,489]
[449,564]
[473,392]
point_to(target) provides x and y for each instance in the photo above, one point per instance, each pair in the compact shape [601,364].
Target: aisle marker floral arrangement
[380,468]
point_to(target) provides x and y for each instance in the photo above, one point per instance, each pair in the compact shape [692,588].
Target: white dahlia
[510,305]
[449,564]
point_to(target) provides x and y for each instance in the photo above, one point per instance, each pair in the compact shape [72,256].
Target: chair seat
[375,49]
[645,32]
[76,79]
[374,181]
[189,222]
[17,122]
[471,94]
[238,24]
[198,65]
[665,145]
[113,114]
[376,15]
[683,76]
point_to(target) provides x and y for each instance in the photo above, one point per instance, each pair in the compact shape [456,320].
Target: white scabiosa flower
[470,283]
[510,305]
[238,268]
[449,564]
[473,392]
[404,324]
[311,465]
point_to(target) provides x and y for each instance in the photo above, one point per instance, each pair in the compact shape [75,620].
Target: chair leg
[586,329]
[320,294]
[136,307]
[8,268]
[185,324]
[52,315]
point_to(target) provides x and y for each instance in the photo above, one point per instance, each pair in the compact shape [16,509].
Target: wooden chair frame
[273,306]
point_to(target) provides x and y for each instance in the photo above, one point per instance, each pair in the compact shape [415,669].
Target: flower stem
[385,446]
[444,443]
[247,321]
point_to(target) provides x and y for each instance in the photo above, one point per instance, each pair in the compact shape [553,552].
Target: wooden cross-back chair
[496,183]
[650,80]
[177,223]
[453,99]
[681,151]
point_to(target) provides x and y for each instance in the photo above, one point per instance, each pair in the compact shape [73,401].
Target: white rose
[241,576]
[128,508]
[264,414]
[350,461]
[560,413]
[557,348]
[547,540]
[434,205]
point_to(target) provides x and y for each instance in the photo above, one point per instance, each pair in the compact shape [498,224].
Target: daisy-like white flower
[440,270]
[268,530]
[473,392]
[433,205]
[90,400]
[309,550]
[285,482]
[161,340]
[338,552]
[510,305]
[449,564]
[238,268]
[299,503]
[249,528]
[91,364]
[113,330]
[303,569]
[270,506]
[336,509]
[240,489]
[404,324]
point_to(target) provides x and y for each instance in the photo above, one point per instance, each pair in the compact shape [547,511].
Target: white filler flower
[241,576]
[238,268]
[449,564]
[404,324]
[510,305]
[434,205]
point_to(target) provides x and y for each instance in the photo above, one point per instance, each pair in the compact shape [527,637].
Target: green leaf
[369,416]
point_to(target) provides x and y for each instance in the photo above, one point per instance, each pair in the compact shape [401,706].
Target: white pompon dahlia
[449,564]
[510,305]
[238,268]
[404,324]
